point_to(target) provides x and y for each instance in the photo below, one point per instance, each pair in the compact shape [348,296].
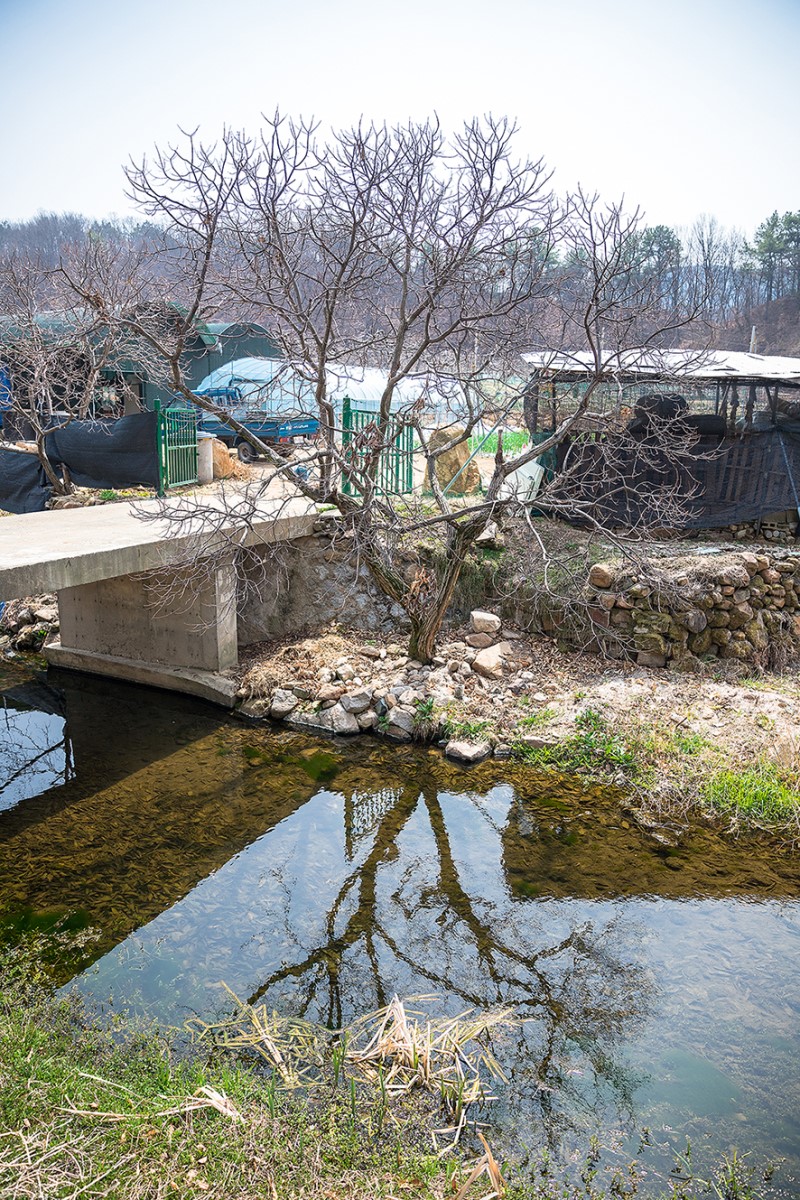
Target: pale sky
[685,107]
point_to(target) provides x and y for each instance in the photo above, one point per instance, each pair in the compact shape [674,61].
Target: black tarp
[108,454]
[723,481]
[97,454]
[23,483]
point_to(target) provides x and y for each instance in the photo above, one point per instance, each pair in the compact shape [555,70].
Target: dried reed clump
[295,1050]
[410,1050]
[398,1050]
[393,1050]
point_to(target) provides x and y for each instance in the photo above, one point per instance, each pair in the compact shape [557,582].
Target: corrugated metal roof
[52,324]
[680,364]
[201,330]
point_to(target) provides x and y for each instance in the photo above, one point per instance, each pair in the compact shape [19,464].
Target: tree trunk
[61,487]
[424,630]
[427,599]
[530,408]
[426,620]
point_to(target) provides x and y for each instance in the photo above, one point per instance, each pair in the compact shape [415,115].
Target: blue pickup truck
[267,429]
[265,395]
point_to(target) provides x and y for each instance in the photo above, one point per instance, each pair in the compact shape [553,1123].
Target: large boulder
[47,613]
[328,720]
[356,702]
[479,641]
[601,575]
[467,752]
[341,721]
[31,637]
[489,663]
[484,622]
[258,708]
[400,724]
[450,463]
[283,702]
[736,575]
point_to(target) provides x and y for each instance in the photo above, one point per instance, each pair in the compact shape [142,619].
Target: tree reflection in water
[37,754]
[411,912]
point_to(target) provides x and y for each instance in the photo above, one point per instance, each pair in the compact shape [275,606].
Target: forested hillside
[736,283]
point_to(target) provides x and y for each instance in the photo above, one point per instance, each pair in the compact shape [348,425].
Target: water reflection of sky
[33,754]
[681,1014]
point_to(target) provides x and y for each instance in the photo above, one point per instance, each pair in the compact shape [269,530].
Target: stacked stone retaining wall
[731,605]
[746,608]
[310,582]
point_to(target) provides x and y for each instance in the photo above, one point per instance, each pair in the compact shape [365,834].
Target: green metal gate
[177,446]
[396,464]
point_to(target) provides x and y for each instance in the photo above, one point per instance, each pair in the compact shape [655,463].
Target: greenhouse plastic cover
[280,387]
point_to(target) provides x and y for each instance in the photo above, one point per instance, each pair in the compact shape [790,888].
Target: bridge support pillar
[175,628]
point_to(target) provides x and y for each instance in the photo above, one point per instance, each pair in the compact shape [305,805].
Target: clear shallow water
[661,985]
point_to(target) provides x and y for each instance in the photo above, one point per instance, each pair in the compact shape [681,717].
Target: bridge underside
[171,629]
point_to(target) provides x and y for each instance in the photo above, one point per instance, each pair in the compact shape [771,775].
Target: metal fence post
[160,450]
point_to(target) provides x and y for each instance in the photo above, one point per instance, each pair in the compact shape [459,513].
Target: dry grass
[398,1049]
[88,1112]
[48,1161]
[295,1050]
[393,1051]
[269,665]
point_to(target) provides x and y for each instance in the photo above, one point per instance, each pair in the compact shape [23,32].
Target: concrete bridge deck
[68,547]
[97,560]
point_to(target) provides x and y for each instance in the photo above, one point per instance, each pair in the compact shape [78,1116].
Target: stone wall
[775,527]
[690,610]
[308,583]
[28,624]
[744,606]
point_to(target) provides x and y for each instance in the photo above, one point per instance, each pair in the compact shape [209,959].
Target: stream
[659,984]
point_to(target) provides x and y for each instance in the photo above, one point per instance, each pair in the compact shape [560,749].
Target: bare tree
[430,260]
[394,249]
[54,349]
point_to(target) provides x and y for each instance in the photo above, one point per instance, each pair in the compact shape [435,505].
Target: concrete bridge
[101,563]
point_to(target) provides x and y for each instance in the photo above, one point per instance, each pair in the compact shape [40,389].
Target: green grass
[688,743]
[760,795]
[537,719]
[424,711]
[426,719]
[591,751]
[513,442]
[660,746]
[764,795]
[469,730]
[119,1111]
